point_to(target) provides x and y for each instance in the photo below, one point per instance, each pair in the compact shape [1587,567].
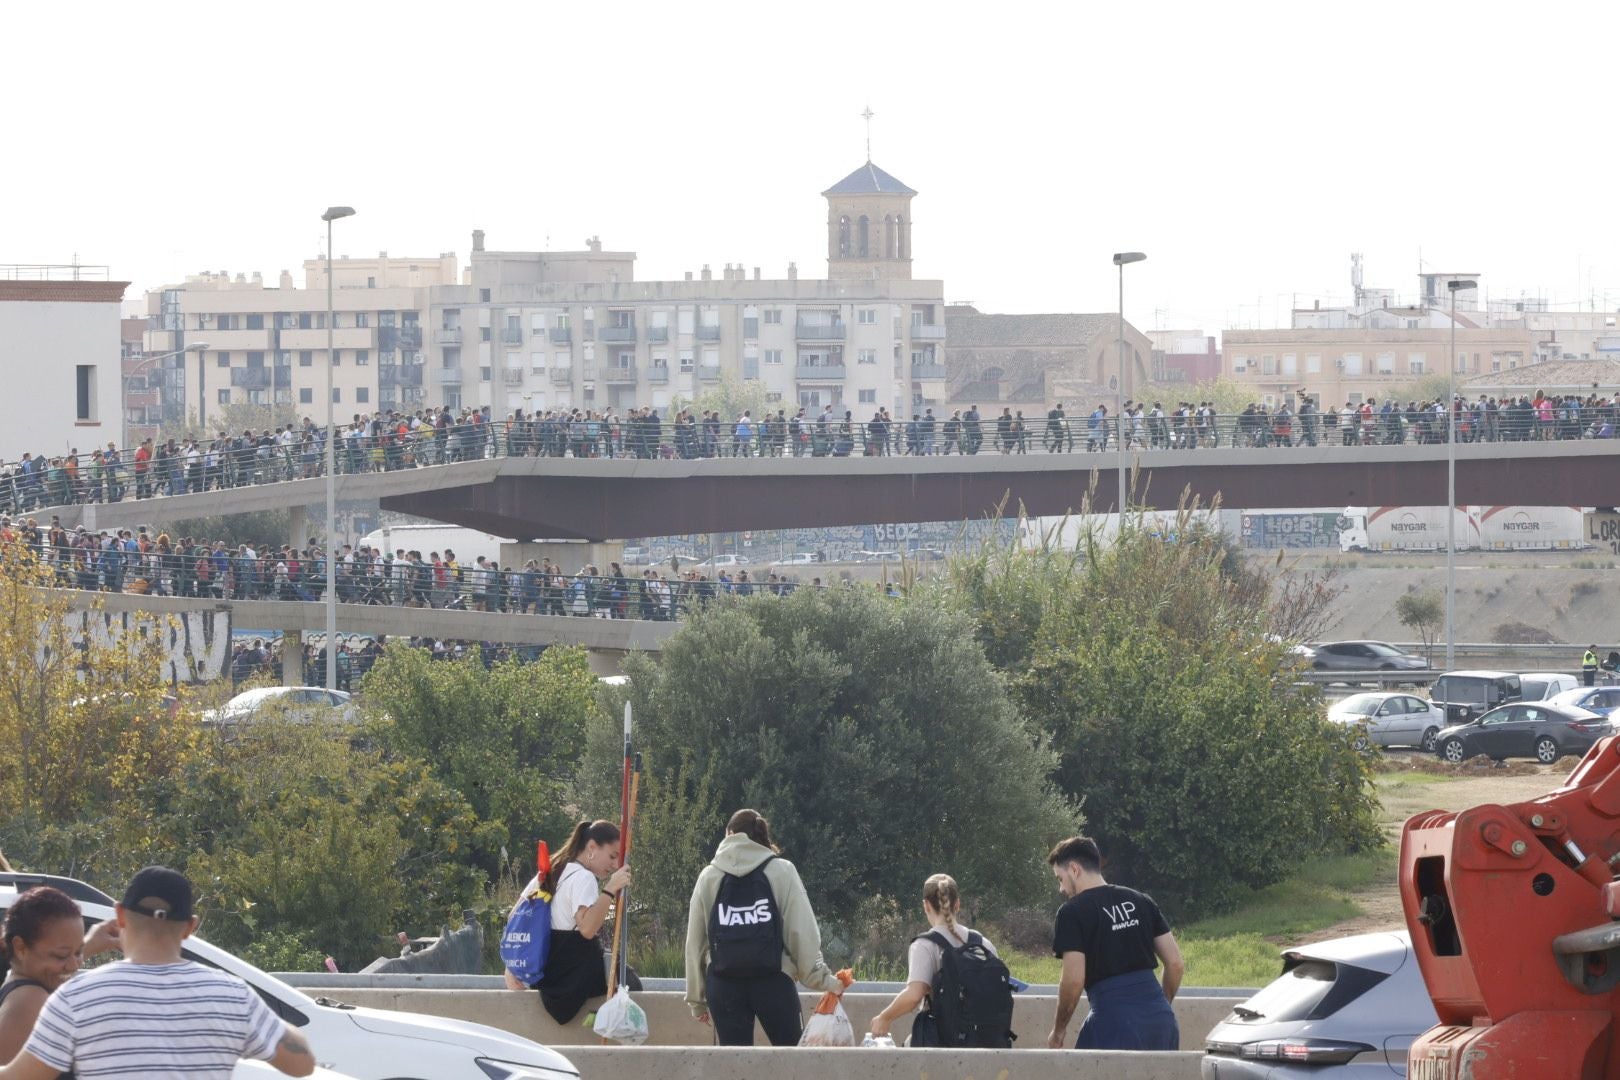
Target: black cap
[159,893]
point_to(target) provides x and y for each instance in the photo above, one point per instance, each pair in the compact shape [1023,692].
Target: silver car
[1389,719]
[1342,1009]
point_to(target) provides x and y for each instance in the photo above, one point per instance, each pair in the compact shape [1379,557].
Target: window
[537,322]
[283,358]
[222,359]
[1462,363]
[306,396]
[1240,364]
[868,397]
[537,362]
[224,397]
[306,357]
[514,360]
[687,321]
[255,359]
[483,296]
[1350,363]
[362,395]
[1268,365]
[866,316]
[361,319]
[257,397]
[1386,363]
[514,324]
[84,387]
[562,320]
[385,318]
[660,360]
[1313,364]
[1290,364]
[337,395]
[686,360]
[483,333]
[483,373]
[773,316]
[866,356]
[773,356]
[562,360]
[711,358]
[255,322]
[337,357]
[362,357]
[1417,363]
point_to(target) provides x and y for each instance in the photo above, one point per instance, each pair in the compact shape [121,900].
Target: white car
[1389,719]
[720,562]
[365,1044]
[293,702]
[1541,685]
[802,558]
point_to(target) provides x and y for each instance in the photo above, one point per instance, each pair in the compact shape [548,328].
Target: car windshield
[1460,691]
[1533,689]
[1360,704]
[1293,996]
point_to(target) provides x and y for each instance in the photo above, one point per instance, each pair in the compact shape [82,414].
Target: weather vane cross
[867,116]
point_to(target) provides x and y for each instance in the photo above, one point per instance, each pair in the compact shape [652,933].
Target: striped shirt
[157,1021]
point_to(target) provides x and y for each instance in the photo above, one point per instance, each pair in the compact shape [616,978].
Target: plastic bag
[622,1020]
[830,1026]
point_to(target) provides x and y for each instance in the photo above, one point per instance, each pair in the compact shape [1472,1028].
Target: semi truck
[1478,528]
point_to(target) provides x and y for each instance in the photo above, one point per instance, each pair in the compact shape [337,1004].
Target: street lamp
[1451,478]
[331,215]
[1120,259]
[196,346]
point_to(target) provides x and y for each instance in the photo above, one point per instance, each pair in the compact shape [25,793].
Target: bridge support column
[606,661]
[298,527]
[292,654]
[571,555]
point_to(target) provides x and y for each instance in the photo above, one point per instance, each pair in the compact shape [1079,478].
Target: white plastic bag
[828,1029]
[622,1020]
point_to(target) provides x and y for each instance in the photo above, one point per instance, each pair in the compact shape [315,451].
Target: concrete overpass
[607,640]
[615,498]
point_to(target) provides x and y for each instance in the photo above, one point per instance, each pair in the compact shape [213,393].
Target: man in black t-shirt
[1110,939]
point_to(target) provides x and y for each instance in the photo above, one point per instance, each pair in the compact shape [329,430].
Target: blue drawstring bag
[526,941]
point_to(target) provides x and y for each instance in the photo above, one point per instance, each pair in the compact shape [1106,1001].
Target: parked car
[1602,700]
[1466,695]
[1543,685]
[1364,656]
[367,1044]
[799,558]
[721,562]
[875,556]
[1539,730]
[1389,719]
[291,702]
[1342,1009]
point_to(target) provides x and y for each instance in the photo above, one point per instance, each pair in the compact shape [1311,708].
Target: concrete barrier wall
[714,1063]
[670,1022]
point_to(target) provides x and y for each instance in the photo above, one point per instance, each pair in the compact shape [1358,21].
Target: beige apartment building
[543,330]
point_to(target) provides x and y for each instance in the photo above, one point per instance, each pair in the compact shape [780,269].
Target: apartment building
[547,330]
[226,340]
[59,348]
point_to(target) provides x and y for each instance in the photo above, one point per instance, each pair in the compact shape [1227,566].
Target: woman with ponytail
[750,933]
[576,967]
[941,902]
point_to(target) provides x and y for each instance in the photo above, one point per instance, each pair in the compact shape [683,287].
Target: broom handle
[624,894]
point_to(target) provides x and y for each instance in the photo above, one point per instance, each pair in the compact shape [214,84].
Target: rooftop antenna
[867,116]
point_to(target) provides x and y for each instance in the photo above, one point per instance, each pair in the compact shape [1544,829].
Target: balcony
[399,375]
[587,373]
[925,332]
[561,335]
[658,375]
[448,376]
[657,333]
[624,334]
[708,333]
[620,373]
[512,376]
[819,372]
[251,378]
[709,372]
[235,340]
[410,336]
[819,331]
[750,368]
[927,371]
[512,336]
[447,335]
[562,374]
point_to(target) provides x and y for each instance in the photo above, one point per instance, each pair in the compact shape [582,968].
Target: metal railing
[176,467]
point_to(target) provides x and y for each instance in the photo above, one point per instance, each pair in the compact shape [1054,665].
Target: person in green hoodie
[750,932]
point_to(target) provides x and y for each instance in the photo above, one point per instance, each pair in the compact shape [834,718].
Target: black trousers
[734,1005]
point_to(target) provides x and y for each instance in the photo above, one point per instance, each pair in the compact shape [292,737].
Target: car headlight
[511,1070]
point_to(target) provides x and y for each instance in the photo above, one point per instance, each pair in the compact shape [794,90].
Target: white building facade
[60,353]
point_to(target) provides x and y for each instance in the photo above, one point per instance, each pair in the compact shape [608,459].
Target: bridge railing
[114,475]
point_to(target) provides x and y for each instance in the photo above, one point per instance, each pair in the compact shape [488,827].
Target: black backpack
[745,927]
[971,1003]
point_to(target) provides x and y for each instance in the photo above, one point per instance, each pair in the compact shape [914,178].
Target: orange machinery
[1515,919]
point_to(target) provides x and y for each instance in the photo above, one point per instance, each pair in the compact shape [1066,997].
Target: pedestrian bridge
[616,498]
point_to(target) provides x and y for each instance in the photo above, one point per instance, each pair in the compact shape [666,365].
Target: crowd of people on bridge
[390,440]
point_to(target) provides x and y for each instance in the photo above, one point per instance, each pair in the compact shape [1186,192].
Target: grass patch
[1317,897]
[1234,960]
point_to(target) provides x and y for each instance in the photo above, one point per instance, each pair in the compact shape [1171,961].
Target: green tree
[1203,769]
[872,732]
[1424,612]
[507,737]
[730,397]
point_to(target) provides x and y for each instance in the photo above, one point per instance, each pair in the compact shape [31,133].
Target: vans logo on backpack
[757,912]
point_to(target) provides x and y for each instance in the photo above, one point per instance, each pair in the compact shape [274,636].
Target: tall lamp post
[1120,260]
[1451,478]
[195,346]
[331,215]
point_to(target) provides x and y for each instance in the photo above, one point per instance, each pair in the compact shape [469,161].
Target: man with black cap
[155,1014]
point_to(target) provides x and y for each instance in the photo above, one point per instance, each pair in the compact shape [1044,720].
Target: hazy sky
[1247,148]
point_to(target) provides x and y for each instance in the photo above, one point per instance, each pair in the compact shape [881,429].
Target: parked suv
[1465,696]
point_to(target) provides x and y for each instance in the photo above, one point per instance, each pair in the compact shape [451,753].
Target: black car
[1524,730]
[1364,656]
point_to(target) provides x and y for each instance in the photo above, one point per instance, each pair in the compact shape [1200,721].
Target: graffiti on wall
[196,645]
